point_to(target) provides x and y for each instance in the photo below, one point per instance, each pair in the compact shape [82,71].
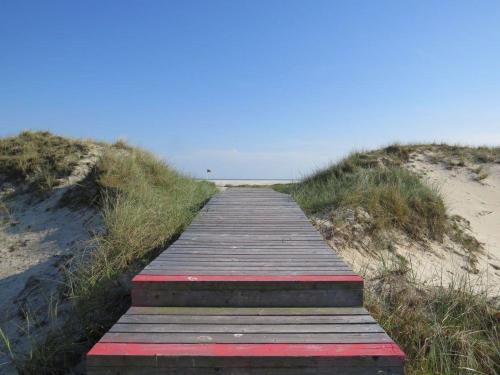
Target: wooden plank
[231,294]
[230,272]
[255,367]
[263,255]
[355,279]
[244,328]
[249,311]
[242,359]
[247,265]
[252,338]
[237,262]
[246,319]
[223,251]
[246,257]
[258,291]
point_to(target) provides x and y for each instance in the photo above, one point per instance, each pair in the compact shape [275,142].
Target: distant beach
[255,182]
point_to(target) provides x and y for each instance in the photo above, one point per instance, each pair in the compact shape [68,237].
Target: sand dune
[473,204]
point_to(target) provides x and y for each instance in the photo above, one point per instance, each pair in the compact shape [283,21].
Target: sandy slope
[433,262]
[37,237]
[477,201]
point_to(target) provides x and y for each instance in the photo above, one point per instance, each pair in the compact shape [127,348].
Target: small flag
[209,171]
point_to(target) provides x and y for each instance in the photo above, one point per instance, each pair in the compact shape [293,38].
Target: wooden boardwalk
[249,288]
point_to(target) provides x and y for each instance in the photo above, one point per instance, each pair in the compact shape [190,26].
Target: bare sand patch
[478,201]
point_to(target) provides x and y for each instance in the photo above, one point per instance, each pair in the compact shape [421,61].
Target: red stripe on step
[299,278]
[247,350]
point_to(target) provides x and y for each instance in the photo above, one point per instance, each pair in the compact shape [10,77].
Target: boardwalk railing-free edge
[249,288]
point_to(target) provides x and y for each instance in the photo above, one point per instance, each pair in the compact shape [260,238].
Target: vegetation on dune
[457,155]
[446,330]
[144,204]
[395,197]
[377,182]
[481,173]
[39,158]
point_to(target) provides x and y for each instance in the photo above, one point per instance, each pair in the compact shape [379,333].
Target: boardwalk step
[247,290]
[250,288]
[180,340]
[251,247]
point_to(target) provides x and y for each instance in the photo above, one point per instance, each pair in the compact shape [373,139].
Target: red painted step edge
[298,278]
[248,350]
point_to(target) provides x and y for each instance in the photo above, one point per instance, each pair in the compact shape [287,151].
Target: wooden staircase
[249,288]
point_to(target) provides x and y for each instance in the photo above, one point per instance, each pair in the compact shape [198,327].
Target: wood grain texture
[249,288]
[249,231]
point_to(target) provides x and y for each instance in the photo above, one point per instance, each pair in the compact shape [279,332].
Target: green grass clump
[145,205]
[481,173]
[391,194]
[450,330]
[39,158]
[456,155]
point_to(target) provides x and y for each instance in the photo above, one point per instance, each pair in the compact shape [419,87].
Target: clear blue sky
[252,89]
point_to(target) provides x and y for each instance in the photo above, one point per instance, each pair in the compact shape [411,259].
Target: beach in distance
[248,182]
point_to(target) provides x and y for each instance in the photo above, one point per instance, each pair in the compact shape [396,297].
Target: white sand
[37,237]
[477,201]
[434,262]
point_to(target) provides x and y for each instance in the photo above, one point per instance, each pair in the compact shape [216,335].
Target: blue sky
[252,89]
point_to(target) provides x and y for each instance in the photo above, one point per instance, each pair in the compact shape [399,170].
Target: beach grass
[394,196]
[39,159]
[145,205]
[448,329]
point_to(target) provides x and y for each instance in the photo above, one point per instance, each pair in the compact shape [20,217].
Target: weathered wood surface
[244,359]
[249,288]
[246,341]
[232,321]
[247,293]
[249,232]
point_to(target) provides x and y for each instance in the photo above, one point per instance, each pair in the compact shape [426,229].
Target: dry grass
[145,205]
[39,158]
[481,173]
[446,330]
[395,197]
[443,330]
[458,230]
[453,156]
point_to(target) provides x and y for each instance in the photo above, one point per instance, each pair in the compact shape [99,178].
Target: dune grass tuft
[145,205]
[481,173]
[39,158]
[391,194]
[446,330]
